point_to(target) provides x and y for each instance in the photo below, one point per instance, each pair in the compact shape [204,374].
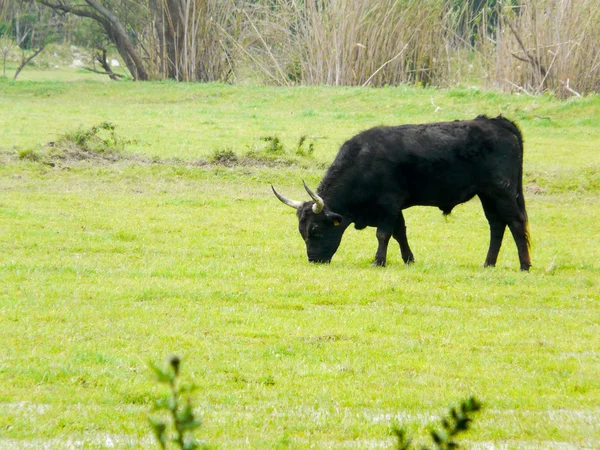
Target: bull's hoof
[378,264]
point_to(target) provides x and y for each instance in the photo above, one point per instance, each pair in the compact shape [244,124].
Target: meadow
[169,247]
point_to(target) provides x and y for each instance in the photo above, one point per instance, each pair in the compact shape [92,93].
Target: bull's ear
[335,219]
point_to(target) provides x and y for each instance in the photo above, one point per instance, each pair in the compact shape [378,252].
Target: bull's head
[321,228]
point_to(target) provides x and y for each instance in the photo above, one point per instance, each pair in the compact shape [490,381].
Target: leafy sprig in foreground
[179,422]
[457,422]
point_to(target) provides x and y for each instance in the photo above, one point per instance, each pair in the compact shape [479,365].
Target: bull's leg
[497,227]
[383,237]
[400,236]
[518,228]
[502,211]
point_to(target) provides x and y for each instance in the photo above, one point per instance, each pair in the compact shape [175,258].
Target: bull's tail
[514,129]
[521,204]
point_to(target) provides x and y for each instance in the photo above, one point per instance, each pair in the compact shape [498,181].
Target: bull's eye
[314,232]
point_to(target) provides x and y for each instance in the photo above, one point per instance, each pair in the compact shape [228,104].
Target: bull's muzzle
[318,260]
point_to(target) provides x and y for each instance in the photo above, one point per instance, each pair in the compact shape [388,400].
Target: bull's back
[441,164]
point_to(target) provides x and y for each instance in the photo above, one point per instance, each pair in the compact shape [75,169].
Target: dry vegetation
[546,45]
[537,46]
[181,38]
[526,46]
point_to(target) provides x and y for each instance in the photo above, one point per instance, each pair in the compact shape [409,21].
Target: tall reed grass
[352,42]
[531,46]
[547,45]
[185,40]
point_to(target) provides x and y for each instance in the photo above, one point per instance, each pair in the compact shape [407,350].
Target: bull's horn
[319,203]
[293,203]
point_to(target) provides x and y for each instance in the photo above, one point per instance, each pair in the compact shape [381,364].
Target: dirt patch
[101,145]
[62,155]
[534,189]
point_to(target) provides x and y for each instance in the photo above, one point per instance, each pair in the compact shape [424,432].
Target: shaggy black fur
[384,170]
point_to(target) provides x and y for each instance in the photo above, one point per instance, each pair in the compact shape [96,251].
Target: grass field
[105,266]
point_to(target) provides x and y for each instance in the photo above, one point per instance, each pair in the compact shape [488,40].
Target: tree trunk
[121,39]
[100,56]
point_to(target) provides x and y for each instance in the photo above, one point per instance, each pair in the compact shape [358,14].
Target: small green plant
[300,150]
[179,422]
[225,157]
[274,145]
[457,422]
[29,155]
[276,148]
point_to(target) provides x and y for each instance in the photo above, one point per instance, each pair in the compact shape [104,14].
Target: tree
[91,35]
[6,43]
[32,32]
[113,26]
[175,39]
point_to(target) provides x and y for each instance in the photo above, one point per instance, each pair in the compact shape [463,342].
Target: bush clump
[99,143]
[225,157]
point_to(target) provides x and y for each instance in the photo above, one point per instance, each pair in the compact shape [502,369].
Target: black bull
[384,170]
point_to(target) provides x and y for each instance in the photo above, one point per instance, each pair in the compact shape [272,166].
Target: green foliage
[181,421]
[29,155]
[457,422]
[90,34]
[27,22]
[98,143]
[5,28]
[99,138]
[274,145]
[300,150]
[225,157]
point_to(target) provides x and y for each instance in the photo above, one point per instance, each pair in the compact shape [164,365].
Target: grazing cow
[382,171]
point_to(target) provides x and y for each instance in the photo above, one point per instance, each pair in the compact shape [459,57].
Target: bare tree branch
[540,71]
[26,61]
[81,12]
[568,88]
[388,61]
[111,74]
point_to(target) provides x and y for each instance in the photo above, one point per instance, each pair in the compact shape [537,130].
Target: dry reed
[185,40]
[538,46]
[549,45]
[530,46]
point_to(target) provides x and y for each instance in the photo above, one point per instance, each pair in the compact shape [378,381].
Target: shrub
[100,138]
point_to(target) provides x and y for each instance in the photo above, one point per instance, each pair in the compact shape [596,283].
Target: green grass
[107,266]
